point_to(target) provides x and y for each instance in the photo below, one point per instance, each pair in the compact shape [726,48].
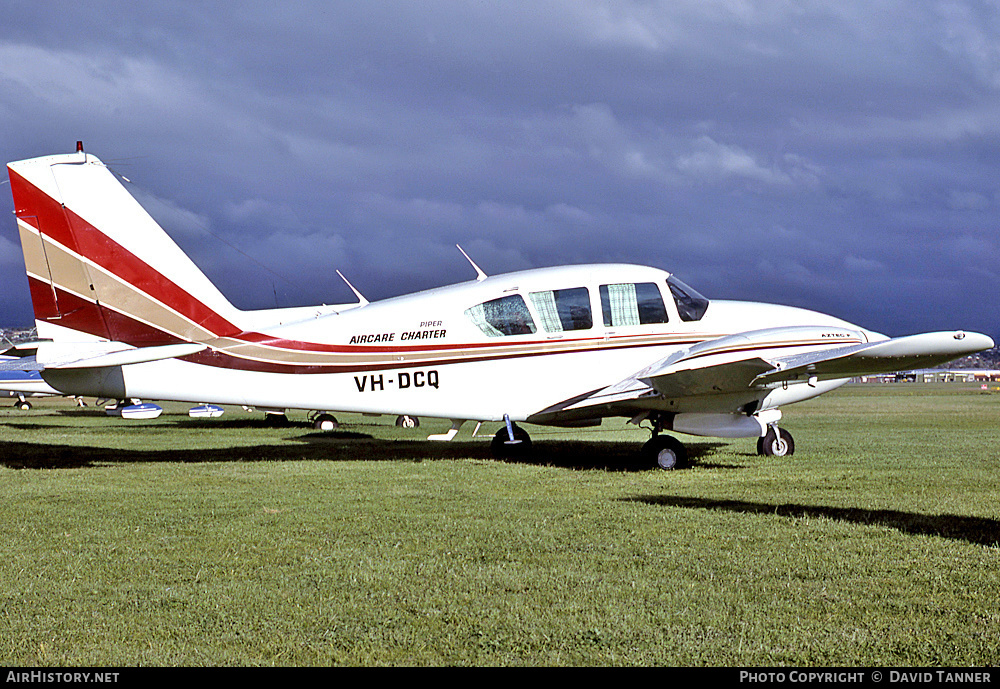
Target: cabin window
[563,309]
[504,316]
[691,306]
[632,304]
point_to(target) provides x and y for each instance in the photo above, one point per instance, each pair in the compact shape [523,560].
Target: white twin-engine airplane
[123,313]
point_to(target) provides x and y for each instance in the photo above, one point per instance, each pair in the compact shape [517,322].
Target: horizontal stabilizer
[23,349]
[52,355]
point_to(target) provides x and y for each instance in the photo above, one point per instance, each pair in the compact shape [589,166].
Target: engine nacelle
[725,425]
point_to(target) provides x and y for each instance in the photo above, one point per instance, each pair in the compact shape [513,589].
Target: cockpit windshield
[691,306]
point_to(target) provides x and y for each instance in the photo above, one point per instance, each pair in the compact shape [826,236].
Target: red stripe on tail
[67,228]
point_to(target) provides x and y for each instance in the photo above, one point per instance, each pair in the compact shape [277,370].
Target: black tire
[325,423]
[778,444]
[405,421]
[275,420]
[503,448]
[665,452]
[23,406]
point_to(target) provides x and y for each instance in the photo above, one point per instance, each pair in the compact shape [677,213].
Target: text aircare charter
[383,338]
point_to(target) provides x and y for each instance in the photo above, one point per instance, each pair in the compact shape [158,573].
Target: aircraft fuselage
[424,354]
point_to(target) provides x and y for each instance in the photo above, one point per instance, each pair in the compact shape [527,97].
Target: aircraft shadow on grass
[976,530]
[344,445]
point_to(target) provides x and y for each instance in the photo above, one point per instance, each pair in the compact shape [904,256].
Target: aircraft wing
[766,358]
[746,366]
[898,354]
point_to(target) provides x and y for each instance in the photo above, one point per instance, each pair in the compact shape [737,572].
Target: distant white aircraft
[123,313]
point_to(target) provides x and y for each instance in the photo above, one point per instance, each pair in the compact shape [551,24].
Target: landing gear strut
[663,451]
[510,441]
[777,442]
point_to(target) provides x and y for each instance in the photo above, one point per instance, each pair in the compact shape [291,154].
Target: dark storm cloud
[837,155]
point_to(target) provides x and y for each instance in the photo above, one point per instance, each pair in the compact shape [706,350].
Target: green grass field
[225,542]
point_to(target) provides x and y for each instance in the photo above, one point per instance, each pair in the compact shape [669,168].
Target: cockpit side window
[504,316]
[691,306]
[563,309]
[632,304]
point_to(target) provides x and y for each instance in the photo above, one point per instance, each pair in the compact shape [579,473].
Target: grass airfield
[224,541]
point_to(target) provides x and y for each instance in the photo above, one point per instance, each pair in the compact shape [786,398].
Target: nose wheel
[777,442]
[511,441]
[405,421]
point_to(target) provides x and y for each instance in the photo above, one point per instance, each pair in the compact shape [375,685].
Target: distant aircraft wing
[25,363]
[754,363]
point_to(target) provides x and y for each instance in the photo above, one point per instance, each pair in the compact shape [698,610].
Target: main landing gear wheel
[325,422]
[405,421]
[665,452]
[503,447]
[777,442]
[23,405]
[275,419]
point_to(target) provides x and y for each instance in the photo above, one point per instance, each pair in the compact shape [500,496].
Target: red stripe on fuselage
[226,360]
[300,346]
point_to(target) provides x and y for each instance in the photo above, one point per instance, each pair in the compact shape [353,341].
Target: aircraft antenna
[480,275]
[356,292]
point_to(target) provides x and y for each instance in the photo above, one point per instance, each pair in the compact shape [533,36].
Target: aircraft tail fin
[99,267]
